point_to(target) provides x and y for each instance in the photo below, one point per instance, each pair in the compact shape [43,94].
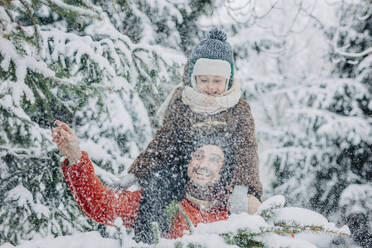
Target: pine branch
[34,23]
[67,10]
[297,228]
[245,238]
[6,3]
[267,213]
[353,55]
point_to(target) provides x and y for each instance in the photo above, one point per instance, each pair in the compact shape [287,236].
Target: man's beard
[201,192]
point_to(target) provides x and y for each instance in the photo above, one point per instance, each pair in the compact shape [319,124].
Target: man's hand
[66,141]
[253,204]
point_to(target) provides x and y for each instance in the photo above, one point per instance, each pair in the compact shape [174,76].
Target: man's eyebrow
[216,155]
[198,152]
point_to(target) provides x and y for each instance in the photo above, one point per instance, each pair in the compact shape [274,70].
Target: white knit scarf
[201,103]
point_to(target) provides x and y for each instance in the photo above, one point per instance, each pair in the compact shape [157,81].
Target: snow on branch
[357,198]
[77,10]
[247,12]
[283,223]
[22,64]
[340,50]
[353,55]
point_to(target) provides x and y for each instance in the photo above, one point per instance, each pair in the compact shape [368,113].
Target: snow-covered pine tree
[352,54]
[323,128]
[325,135]
[93,67]
[34,92]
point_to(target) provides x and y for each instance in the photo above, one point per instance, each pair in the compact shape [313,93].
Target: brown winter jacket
[180,123]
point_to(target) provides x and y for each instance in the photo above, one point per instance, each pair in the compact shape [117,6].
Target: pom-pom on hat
[214,47]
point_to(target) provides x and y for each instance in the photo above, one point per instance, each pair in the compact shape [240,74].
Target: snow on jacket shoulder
[181,123]
[105,206]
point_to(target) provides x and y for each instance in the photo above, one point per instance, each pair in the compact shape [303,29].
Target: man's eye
[214,160]
[204,81]
[197,156]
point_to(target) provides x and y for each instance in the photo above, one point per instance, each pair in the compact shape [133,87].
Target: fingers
[55,135]
[64,126]
[58,139]
[57,131]
[66,140]
[60,135]
[65,135]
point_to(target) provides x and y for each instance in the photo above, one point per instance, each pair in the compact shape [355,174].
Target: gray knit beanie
[213,47]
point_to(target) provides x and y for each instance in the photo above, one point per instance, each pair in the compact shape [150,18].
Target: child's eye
[204,81]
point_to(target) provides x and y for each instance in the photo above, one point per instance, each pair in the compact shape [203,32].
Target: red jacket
[104,205]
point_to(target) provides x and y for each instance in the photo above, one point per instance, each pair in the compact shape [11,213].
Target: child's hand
[66,141]
[253,204]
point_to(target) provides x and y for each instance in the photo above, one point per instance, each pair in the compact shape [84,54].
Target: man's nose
[204,165]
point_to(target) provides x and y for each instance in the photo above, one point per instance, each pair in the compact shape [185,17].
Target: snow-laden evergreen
[318,138]
[324,134]
[69,62]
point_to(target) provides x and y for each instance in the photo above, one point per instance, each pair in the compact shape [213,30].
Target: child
[208,101]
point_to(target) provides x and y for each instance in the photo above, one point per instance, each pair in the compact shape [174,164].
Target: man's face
[211,85]
[206,163]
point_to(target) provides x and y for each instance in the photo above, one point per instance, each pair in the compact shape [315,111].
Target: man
[208,166]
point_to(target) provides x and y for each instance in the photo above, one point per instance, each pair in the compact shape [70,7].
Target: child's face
[211,85]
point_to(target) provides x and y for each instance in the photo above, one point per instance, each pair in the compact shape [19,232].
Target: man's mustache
[203,171]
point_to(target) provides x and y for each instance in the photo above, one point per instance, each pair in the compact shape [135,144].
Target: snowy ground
[94,240]
[265,222]
[80,240]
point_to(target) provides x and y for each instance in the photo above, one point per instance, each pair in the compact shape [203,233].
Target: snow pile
[283,228]
[282,224]
[79,240]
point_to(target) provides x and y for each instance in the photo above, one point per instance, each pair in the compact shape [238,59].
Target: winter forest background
[104,67]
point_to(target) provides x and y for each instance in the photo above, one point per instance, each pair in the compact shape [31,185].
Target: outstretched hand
[66,141]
